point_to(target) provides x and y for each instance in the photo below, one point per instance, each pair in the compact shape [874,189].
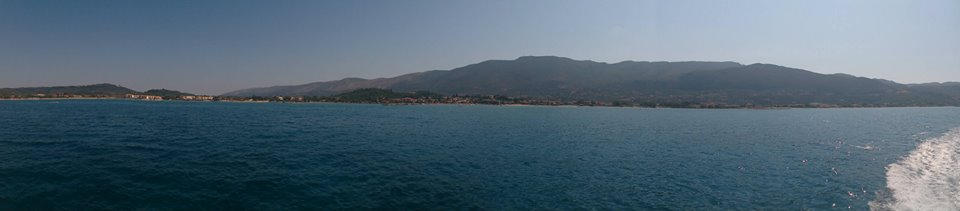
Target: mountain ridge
[553,77]
[386,82]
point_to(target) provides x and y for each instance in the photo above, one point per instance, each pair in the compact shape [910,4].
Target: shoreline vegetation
[389,97]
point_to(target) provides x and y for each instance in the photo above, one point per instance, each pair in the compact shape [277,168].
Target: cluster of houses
[59,96]
[143,97]
[154,97]
[44,96]
[290,99]
[197,98]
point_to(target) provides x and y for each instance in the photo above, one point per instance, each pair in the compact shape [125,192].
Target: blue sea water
[116,154]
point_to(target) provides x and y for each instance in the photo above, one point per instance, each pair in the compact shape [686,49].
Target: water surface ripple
[103,154]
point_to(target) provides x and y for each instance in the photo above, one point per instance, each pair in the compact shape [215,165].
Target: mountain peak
[104,85]
[764,65]
[543,58]
[353,79]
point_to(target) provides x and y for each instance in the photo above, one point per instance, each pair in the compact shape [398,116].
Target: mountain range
[551,77]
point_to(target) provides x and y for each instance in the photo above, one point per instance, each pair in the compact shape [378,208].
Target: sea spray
[926,179]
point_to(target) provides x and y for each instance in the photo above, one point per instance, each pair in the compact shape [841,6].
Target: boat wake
[926,179]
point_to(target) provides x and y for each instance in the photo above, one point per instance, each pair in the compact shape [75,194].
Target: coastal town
[387,97]
[183,97]
[376,96]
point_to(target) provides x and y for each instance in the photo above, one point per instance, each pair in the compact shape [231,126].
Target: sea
[166,155]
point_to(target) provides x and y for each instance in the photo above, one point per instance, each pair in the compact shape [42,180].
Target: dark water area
[115,154]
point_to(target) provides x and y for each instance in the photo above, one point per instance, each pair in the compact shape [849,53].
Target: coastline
[60,98]
[475,104]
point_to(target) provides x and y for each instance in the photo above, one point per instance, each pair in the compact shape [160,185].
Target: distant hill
[98,90]
[550,77]
[951,89]
[87,90]
[166,94]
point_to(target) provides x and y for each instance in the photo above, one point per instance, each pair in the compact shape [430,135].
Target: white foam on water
[865,147]
[926,179]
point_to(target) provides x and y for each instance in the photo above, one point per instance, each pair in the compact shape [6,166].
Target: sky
[212,47]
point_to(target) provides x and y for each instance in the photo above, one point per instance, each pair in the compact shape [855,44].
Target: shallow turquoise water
[106,154]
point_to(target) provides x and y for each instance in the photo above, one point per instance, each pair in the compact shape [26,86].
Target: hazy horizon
[212,47]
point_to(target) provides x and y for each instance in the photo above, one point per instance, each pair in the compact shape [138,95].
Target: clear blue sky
[211,47]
